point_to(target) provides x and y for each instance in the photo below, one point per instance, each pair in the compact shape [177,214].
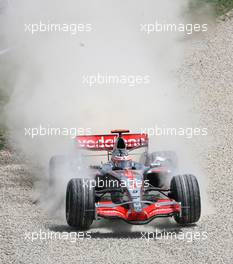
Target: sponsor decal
[106,142]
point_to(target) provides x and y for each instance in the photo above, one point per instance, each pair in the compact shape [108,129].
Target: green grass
[220,6]
[2,129]
[4,82]
[2,139]
[8,73]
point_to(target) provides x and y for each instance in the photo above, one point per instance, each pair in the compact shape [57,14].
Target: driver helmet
[122,162]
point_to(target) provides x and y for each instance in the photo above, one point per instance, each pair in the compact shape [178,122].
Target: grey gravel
[210,70]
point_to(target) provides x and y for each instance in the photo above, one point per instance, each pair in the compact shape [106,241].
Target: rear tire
[80,203]
[185,189]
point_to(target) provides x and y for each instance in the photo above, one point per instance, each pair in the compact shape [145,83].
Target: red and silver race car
[136,192]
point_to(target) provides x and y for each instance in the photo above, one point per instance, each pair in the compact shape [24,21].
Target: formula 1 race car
[136,192]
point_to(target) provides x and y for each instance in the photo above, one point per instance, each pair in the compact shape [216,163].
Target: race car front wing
[161,208]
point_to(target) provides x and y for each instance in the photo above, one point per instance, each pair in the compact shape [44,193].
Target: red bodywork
[158,209]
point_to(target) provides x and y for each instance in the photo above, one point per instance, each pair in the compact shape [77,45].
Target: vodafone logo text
[106,142]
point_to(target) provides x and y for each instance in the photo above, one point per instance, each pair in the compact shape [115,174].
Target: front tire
[80,203]
[185,189]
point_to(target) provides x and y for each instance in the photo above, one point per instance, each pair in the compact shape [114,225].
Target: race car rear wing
[106,142]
